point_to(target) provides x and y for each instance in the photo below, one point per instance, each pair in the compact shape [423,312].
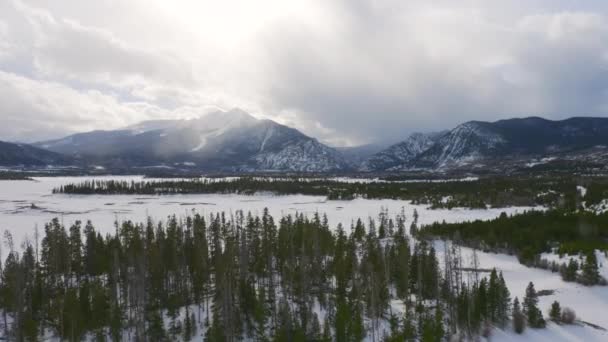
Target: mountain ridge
[12,154]
[219,141]
[475,143]
[235,141]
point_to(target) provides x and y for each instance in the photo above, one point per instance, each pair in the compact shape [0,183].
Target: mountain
[218,141]
[25,155]
[355,155]
[399,155]
[478,144]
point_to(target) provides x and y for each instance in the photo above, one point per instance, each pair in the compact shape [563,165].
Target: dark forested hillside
[26,155]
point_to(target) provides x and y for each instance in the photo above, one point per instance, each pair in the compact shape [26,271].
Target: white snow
[18,216]
[541,161]
[581,190]
[267,136]
[589,303]
[600,207]
[201,144]
[602,261]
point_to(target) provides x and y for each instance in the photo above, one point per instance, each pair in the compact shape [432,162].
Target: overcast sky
[345,71]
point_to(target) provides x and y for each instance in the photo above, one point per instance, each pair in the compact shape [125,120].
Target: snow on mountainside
[478,144]
[305,155]
[356,155]
[397,156]
[232,140]
[465,143]
[236,141]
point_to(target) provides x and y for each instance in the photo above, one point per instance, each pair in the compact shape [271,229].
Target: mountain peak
[234,114]
[478,143]
[397,156]
[221,140]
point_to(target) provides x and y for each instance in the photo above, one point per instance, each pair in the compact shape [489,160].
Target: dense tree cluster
[531,233]
[227,277]
[494,192]
[597,191]
[9,175]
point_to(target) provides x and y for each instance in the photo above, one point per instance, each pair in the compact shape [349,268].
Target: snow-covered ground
[564,259]
[589,303]
[25,204]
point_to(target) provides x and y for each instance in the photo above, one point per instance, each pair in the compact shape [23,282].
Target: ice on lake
[26,204]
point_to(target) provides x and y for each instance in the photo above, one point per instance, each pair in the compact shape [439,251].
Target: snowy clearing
[25,204]
[589,303]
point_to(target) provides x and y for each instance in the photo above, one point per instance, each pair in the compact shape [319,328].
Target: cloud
[344,71]
[45,109]
[434,68]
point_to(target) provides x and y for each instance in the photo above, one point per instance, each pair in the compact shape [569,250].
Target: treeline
[532,233]
[493,192]
[597,191]
[10,175]
[229,277]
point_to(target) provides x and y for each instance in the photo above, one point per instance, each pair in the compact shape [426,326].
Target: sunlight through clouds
[346,72]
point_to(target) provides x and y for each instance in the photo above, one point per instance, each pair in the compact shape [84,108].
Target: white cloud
[344,71]
[43,109]
[5,45]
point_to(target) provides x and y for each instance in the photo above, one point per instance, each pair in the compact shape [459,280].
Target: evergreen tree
[519,319]
[569,272]
[248,277]
[503,305]
[531,310]
[555,313]
[590,270]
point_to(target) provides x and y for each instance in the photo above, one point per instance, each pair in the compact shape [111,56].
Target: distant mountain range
[29,156]
[234,141]
[220,141]
[512,143]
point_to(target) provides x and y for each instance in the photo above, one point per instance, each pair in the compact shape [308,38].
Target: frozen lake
[25,204]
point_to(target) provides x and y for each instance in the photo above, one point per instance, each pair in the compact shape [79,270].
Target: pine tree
[569,272]
[555,313]
[409,328]
[503,305]
[327,336]
[531,310]
[519,319]
[590,275]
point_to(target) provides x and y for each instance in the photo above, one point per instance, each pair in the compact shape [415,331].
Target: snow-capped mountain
[236,141]
[478,144]
[465,143]
[401,154]
[218,141]
[356,155]
[12,154]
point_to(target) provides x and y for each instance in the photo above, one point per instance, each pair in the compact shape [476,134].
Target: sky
[347,72]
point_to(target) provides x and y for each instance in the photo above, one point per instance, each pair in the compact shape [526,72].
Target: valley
[384,230]
[228,227]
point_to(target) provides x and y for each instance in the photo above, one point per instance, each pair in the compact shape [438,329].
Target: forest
[227,277]
[532,233]
[10,175]
[493,192]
